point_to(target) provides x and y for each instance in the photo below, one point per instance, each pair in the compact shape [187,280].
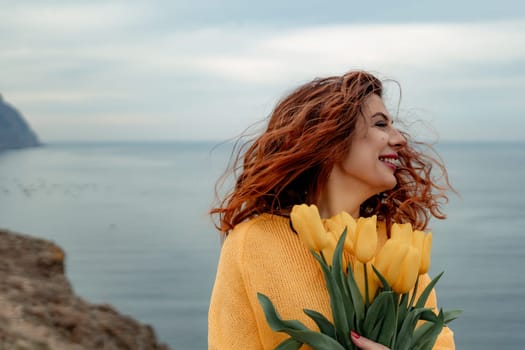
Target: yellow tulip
[418,237]
[389,259]
[366,239]
[307,223]
[333,226]
[409,271]
[381,262]
[338,223]
[359,276]
[329,249]
[402,232]
[424,265]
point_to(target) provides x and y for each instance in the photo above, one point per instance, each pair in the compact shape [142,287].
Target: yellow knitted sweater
[264,255]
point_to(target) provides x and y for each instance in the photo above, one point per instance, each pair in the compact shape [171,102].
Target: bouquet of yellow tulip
[371,294]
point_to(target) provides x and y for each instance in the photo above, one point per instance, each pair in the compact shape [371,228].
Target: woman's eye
[381,124]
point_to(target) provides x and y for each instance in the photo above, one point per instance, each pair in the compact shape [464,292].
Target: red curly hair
[308,132]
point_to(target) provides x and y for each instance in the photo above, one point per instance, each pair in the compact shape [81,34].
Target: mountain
[14,130]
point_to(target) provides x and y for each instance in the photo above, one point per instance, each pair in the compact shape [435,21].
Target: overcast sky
[195,69]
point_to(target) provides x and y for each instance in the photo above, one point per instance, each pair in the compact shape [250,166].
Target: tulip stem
[414,291]
[367,299]
[329,263]
[396,313]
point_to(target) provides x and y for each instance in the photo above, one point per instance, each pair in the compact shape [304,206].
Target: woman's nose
[397,140]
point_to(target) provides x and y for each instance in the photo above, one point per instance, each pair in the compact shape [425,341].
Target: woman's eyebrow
[381,114]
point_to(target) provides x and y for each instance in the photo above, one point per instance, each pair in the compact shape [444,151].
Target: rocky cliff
[14,131]
[39,310]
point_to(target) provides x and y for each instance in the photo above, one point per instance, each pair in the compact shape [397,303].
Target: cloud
[71,65]
[282,55]
[66,96]
[71,17]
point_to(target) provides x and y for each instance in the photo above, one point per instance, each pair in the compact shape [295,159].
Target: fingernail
[354,335]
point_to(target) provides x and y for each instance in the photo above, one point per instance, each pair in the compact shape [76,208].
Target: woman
[331,143]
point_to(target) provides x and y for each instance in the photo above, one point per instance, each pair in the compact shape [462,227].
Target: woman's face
[371,162]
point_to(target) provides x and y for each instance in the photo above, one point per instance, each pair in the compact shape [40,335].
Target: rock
[14,130]
[39,310]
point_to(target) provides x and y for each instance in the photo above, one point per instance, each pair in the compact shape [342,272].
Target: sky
[206,70]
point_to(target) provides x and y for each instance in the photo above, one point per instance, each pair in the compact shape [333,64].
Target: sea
[132,218]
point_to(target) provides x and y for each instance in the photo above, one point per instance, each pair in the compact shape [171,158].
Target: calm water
[132,218]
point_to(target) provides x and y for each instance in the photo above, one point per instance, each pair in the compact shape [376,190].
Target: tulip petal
[307,222]
[359,276]
[418,237]
[329,249]
[402,232]
[343,219]
[366,239]
[424,265]
[388,261]
[408,272]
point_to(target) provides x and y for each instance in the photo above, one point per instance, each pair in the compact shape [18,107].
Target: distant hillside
[14,130]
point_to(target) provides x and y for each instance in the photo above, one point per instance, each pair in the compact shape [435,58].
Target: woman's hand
[364,343]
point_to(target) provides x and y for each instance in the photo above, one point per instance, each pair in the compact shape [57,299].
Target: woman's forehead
[374,106]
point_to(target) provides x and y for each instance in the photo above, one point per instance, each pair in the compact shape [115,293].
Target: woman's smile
[390,160]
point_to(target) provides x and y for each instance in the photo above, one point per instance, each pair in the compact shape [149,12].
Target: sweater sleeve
[231,320]
[445,340]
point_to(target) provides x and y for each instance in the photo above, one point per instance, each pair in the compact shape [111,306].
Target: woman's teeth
[389,160]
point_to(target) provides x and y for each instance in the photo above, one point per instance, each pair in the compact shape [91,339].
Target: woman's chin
[389,185]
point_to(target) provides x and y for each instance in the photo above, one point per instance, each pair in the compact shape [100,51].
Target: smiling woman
[370,165]
[330,143]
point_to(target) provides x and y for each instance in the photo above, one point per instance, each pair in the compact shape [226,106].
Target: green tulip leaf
[325,326]
[316,340]
[451,315]
[340,318]
[296,329]
[374,332]
[289,344]
[428,315]
[376,311]
[425,336]
[273,318]
[403,309]
[405,334]
[340,278]
[386,286]
[414,292]
[389,327]
[380,322]
[426,292]
[357,299]
[403,305]
[337,260]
